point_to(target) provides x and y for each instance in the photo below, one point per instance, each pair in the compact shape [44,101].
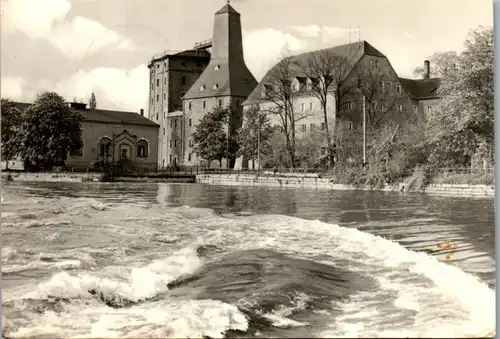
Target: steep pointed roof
[227,9]
[352,52]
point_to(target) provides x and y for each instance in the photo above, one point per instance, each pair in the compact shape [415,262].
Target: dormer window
[217,67]
[202,88]
[216,86]
[267,90]
[398,88]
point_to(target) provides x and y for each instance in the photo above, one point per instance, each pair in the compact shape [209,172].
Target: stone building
[171,76]
[226,81]
[423,92]
[109,136]
[386,96]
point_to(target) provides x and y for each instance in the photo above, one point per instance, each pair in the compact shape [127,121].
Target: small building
[109,136]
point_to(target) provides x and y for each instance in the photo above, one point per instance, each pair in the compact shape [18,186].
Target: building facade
[225,83]
[111,136]
[171,76]
[369,79]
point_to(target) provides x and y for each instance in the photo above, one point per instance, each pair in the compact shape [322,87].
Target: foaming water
[137,261]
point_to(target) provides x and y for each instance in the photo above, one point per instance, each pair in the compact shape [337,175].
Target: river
[178,260]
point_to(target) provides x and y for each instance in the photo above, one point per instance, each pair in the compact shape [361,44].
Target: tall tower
[226,82]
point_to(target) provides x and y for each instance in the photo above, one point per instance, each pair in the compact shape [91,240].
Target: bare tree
[380,92]
[278,90]
[328,73]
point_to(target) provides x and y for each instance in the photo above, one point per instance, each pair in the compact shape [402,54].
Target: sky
[76,47]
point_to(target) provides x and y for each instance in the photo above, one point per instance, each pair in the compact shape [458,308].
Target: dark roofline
[181,55]
[146,122]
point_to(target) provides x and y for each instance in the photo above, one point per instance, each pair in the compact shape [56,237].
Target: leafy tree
[463,122]
[11,118]
[49,130]
[256,126]
[92,101]
[441,64]
[210,137]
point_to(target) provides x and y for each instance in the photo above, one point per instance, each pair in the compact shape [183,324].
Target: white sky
[75,47]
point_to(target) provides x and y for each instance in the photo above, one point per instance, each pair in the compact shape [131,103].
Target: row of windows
[312,127]
[104,149]
[220,104]
[184,64]
[170,158]
[183,81]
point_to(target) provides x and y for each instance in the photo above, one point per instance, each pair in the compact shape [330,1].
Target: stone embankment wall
[324,183]
[52,177]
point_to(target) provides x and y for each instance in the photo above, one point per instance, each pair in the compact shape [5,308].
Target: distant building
[109,136]
[219,79]
[423,92]
[395,98]
[171,76]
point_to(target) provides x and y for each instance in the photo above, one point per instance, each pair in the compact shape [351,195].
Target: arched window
[105,147]
[142,148]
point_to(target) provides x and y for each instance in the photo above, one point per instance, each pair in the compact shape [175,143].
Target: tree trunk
[331,160]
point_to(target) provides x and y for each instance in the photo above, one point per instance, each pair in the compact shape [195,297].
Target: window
[303,108]
[429,109]
[382,106]
[389,85]
[157,82]
[304,127]
[216,86]
[382,85]
[217,67]
[204,104]
[415,108]
[157,116]
[238,103]
[175,143]
[400,108]
[171,123]
[157,65]
[164,114]
[376,63]
[183,80]
[190,122]
[374,106]
[398,88]
[189,156]
[165,80]
[164,96]
[348,125]
[322,126]
[295,87]
[175,122]
[163,130]
[311,106]
[104,145]
[142,148]
[157,97]
[190,105]
[312,127]
[220,103]
[170,157]
[202,88]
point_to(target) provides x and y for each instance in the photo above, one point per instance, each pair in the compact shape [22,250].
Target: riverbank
[298,181]
[95,177]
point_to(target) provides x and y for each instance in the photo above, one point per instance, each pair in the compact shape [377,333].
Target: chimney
[427,69]
[142,111]
[78,105]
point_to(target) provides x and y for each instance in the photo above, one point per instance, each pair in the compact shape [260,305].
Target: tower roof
[227,9]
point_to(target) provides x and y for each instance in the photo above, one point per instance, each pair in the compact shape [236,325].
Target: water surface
[168,260]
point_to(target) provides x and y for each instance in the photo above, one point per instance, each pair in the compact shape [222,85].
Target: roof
[223,78]
[421,89]
[107,116]
[227,9]
[353,52]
